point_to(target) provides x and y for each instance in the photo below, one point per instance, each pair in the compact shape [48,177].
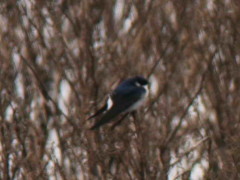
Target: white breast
[140,102]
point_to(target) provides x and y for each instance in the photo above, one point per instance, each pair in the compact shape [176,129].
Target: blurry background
[59,59]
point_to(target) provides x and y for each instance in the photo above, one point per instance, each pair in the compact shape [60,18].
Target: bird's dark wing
[121,102]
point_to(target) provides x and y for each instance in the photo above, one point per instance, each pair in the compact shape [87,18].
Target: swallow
[127,97]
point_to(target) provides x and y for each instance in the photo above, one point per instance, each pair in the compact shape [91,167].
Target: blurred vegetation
[59,59]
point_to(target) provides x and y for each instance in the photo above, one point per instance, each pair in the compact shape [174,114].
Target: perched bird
[127,97]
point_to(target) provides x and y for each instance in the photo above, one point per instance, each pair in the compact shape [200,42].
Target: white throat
[146,88]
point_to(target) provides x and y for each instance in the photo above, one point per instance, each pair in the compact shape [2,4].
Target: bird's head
[137,81]
[140,81]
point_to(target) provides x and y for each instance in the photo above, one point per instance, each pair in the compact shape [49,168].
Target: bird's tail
[100,111]
[107,117]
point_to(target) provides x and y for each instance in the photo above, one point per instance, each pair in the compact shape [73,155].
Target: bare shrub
[59,59]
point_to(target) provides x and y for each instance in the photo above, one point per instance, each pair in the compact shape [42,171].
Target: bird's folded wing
[121,104]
